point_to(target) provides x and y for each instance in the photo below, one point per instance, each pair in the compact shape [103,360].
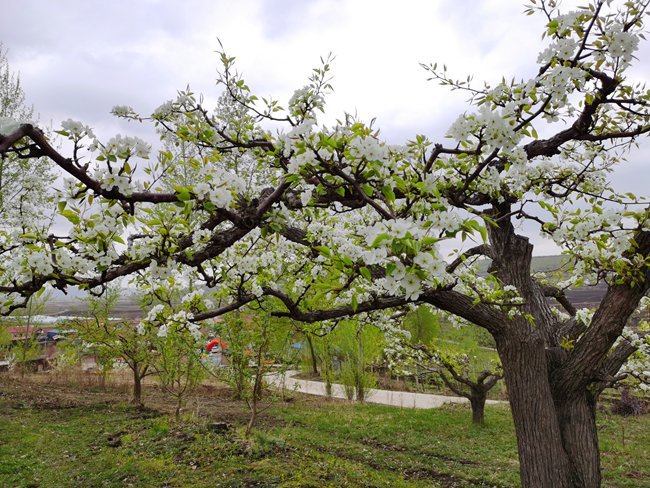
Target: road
[402,399]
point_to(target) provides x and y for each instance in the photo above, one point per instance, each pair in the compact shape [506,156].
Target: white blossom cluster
[306,101]
[77,130]
[218,185]
[123,147]
[9,125]
[638,365]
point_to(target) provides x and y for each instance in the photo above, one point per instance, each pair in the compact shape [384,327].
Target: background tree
[359,345]
[24,183]
[455,370]
[259,345]
[114,340]
[422,326]
[29,345]
[466,368]
[176,340]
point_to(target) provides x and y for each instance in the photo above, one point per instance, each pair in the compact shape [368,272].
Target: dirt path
[402,399]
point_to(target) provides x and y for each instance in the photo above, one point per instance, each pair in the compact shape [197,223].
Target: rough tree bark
[553,391]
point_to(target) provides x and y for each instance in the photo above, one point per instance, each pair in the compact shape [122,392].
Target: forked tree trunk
[543,460]
[556,439]
[553,415]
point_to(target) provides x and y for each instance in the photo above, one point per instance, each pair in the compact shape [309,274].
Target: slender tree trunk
[179,406]
[253,417]
[314,359]
[360,373]
[137,386]
[543,460]
[327,370]
[257,395]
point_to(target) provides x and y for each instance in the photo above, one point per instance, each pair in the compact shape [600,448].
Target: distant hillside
[71,304]
[128,306]
[584,297]
[549,263]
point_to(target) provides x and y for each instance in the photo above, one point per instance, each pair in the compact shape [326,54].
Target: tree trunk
[252,419]
[314,359]
[137,386]
[179,407]
[477,401]
[577,418]
[543,460]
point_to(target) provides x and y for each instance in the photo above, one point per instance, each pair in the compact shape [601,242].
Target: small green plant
[257,346]
[25,348]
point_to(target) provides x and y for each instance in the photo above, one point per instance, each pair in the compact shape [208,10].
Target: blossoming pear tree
[331,221]
[24,193]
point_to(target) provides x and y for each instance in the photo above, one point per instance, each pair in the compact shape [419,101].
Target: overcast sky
[79,58]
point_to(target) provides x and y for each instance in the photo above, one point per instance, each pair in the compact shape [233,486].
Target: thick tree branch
[559,295]
[482,250]
[607,324]
[237,304]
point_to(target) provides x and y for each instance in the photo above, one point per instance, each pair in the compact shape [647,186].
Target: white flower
[584,316]
[122,111]
[412,286]
[76,129]
[155,311]
[163,110]
[622,44]
[8,125]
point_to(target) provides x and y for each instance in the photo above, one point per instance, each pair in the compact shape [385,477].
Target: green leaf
[183,194]
[379,239]
[347,261]
[365,272]
[324,251]
[71,216]
[388,192]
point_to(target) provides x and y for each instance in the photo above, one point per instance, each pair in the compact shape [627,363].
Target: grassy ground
[58,436]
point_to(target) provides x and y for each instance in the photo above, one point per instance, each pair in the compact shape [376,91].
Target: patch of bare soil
[51,390]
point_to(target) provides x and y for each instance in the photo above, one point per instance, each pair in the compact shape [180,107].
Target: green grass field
[57,437]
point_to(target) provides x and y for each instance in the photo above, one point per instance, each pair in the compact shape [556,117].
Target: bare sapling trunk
[179,407]
[312,354]
[138,375]
[256,394]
